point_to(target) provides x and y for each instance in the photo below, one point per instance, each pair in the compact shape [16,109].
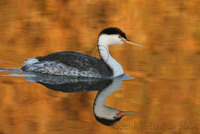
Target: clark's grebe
[76,64]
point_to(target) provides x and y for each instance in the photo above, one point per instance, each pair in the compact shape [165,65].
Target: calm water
[164,90]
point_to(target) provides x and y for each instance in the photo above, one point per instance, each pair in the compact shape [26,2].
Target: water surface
[165,89]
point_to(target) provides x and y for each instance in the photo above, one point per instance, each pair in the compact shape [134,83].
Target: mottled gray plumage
[76,60]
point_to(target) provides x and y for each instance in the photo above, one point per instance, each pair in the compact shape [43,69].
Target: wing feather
[80,61]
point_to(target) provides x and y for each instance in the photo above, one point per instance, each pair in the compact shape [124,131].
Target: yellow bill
[132,43]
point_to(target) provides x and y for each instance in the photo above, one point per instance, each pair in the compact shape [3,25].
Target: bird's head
[114,36]
[108,116]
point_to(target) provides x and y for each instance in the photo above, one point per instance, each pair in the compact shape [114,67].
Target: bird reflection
[103,114]
[69,84]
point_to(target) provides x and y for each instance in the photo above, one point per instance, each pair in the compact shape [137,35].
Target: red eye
[114,117]
[119,36]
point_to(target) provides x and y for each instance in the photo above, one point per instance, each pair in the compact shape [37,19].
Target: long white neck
[108,59]
[102,95]
[99,108]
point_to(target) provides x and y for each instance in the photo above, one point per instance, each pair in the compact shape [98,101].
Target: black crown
[113,30]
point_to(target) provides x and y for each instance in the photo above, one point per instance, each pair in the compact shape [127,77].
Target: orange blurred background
[166,71]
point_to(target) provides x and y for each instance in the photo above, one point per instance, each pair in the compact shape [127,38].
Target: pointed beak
[132,43]
[123,113]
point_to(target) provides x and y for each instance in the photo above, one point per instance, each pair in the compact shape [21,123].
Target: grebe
[76,64]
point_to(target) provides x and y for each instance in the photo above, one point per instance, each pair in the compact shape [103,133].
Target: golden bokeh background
[167,71]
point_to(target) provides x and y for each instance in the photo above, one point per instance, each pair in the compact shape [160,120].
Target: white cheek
[116,41]
[106,40]
[121,42]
